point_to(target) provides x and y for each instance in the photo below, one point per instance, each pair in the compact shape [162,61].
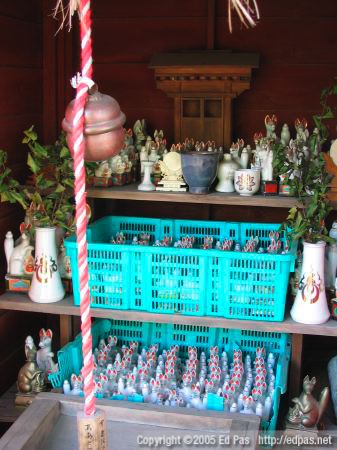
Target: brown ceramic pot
[104,120]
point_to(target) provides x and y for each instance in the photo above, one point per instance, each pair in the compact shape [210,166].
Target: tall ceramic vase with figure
[146,184]
[310,305]
[46,284]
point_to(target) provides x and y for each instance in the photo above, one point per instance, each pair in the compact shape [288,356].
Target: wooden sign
[92,432]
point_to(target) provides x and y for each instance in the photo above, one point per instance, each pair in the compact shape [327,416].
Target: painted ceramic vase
[310,305]
[247,181]
[46,284]
[226,172]
[146,184]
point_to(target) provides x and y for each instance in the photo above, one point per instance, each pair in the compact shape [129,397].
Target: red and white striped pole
[78,146]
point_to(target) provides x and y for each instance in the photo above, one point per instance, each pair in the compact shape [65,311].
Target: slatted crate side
[261,230]
[184,336]
[175,281]
[200,229]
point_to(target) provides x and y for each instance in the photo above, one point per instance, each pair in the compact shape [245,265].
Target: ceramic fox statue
[44,356]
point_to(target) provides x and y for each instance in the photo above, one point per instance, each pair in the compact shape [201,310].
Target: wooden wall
[20,107]
[297,42]
[20,91]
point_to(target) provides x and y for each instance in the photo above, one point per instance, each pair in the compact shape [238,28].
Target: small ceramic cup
[247,181]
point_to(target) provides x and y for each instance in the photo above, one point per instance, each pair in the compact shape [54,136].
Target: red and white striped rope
[78,146]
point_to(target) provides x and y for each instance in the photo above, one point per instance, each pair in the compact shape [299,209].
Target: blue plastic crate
[184,281]
[70,357]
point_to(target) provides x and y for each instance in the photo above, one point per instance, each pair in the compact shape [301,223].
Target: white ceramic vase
[226,172]
[310,305]
[46,284]
[146,184]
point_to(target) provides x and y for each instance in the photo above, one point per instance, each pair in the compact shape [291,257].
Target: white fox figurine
[77,384]
[16,255]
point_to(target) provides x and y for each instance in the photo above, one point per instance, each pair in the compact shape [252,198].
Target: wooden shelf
[20,302]
[130,192]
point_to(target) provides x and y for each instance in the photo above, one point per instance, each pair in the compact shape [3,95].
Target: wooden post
[295,374]
[227,121]
[177,119]
[92,431]
[65,329]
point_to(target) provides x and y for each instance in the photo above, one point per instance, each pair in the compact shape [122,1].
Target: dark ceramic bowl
[199,170]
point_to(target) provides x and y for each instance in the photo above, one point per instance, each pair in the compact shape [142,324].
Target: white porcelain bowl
[247,181]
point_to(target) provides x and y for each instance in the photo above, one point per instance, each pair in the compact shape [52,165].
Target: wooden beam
[295,375]
[66,333]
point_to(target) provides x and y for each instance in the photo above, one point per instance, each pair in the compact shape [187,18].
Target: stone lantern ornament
[103,125]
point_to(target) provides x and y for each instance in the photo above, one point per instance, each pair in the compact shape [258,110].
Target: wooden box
[50,423]
[21,283]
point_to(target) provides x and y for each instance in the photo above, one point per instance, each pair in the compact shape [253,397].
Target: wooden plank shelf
[20,302]
[130,192]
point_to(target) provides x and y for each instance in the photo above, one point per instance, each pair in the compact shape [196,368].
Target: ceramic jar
[46,284]
[247,181]
[146,184]
[310,305]
[226,172]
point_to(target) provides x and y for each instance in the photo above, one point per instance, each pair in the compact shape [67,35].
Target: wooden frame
[52,417]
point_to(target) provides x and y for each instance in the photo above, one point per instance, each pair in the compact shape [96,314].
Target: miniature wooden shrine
[203,85]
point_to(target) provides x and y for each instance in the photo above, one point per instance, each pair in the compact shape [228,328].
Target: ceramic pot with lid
[104,120]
